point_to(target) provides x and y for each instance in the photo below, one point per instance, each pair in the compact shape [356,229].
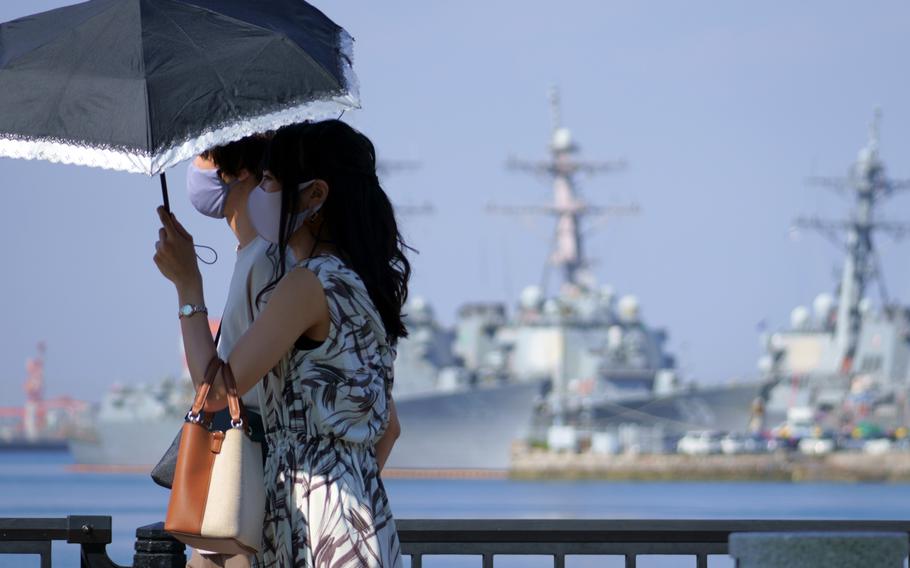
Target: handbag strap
[203,391]
[235,405]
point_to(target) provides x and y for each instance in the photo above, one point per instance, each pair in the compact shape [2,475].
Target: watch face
[186,310]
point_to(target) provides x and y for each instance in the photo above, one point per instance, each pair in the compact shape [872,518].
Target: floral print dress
[324,410]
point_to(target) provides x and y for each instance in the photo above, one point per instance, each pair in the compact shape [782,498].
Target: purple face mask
[207,191]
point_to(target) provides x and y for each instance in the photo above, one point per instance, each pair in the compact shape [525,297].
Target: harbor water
[42,485]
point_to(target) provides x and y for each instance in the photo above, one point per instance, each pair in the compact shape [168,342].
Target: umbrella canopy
[140,85]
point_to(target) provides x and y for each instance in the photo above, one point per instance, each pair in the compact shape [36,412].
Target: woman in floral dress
[323,343]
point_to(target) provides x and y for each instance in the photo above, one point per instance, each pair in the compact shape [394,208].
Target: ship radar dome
[629,310]
[562,140]
[419,309]
[799,318]
[864,159]
[531,298]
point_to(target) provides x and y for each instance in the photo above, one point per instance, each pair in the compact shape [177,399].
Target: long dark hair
[357,211]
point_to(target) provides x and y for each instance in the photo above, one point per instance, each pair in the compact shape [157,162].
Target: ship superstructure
[846,360]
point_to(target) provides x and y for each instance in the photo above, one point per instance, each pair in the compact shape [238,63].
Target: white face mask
[265,212]
[207,191]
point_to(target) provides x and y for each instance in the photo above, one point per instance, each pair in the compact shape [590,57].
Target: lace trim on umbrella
[346,47]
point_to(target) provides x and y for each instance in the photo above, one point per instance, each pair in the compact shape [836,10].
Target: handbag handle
[196,414]
[235,406]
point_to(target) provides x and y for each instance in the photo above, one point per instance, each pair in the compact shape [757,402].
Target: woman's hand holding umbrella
[176,258]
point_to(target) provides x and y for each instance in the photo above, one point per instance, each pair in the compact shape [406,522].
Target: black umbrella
[140,85]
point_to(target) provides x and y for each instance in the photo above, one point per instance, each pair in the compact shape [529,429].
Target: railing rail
[487,538]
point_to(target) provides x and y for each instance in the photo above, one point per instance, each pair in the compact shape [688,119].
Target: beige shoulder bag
[218,496]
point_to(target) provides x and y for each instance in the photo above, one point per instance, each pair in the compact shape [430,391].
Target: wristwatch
[186,310]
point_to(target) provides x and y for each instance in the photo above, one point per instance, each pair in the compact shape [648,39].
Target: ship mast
[569,208]
[869,186]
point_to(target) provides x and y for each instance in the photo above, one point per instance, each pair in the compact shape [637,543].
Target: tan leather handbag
[218,495]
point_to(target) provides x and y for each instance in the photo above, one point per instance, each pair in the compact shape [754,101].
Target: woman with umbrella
[323,339]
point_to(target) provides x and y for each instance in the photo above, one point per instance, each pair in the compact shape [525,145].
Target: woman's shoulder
[329,269]
[322,263]
[340,283]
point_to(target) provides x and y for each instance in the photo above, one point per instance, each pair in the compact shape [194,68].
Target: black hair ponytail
[357,212]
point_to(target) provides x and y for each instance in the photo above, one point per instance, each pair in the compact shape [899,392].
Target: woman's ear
[319,192]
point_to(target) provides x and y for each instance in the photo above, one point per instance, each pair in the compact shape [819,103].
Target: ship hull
[132,444]
[51,445]
[470,429]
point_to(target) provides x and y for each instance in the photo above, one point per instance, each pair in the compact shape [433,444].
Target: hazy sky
[721,109]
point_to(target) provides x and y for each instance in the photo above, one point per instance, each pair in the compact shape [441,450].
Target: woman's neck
[305,245]
[242,228]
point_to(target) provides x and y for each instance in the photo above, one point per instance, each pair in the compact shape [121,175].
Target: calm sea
[40,485]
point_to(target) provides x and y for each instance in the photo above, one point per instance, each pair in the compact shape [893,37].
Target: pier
[780,466]
[486,539]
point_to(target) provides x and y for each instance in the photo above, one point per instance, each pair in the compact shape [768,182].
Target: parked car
[817,446]
[700,443]
[734,443]
[878,446]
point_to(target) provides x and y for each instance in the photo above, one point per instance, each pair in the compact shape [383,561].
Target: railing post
[92,534]
[157,549]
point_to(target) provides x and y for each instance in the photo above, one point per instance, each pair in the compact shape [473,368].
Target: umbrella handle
[167,202]
[167,207]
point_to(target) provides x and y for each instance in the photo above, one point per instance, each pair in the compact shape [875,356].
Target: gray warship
[593,361]
[603,366]
[846,360]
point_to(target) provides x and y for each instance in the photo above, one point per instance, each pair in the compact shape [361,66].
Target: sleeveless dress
[325,409]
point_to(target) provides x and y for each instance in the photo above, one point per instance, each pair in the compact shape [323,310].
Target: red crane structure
[32,418]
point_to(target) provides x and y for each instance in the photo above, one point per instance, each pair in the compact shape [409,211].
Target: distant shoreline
[543,465]
[840,467]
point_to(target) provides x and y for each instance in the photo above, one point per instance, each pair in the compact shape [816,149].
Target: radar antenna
[869,186]
[569,208]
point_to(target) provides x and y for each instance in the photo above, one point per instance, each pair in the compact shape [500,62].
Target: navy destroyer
[847,359]
[605,367]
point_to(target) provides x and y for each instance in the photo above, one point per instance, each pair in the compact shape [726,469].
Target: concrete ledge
[819,550]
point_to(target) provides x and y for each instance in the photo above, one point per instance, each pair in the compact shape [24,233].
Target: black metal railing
[486,539]
[154,548]
[626,538]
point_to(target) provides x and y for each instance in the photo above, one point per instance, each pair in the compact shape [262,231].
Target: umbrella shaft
[167,203]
